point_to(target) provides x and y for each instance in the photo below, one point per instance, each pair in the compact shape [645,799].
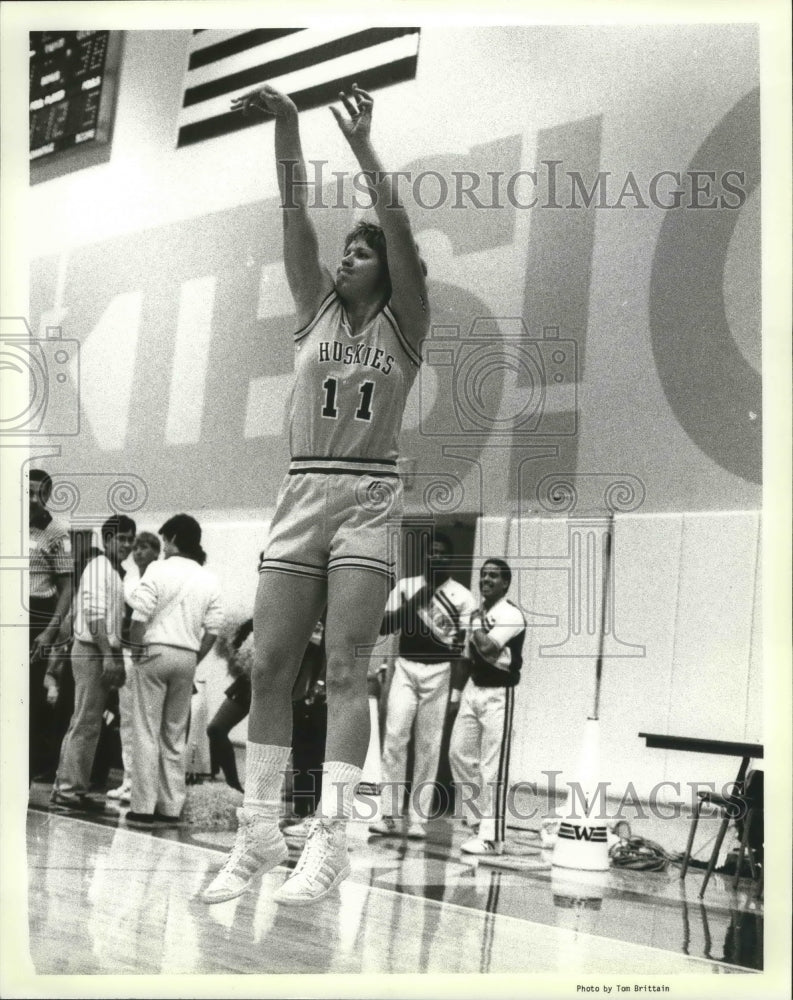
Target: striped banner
[310,64]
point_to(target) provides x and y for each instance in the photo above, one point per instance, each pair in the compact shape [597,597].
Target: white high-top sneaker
[259,847]
[322,865]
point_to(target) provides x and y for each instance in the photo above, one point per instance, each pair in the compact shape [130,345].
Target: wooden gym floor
[107,900]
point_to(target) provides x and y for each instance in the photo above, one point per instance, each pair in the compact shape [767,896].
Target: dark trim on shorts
[362,562]
[305,570]
[291,568]
[380,468]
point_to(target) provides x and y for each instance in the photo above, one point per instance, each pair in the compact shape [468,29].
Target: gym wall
[597,351]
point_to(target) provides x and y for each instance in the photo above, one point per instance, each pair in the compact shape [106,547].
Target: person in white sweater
[176,616]
[145,551]
[97,664]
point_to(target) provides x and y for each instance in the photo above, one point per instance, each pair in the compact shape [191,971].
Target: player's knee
[344,677]
[274,665]
[342,684]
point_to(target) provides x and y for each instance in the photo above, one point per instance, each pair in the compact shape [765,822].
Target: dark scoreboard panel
[69,90]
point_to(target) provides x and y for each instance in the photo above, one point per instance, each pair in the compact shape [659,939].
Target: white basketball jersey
[350,391]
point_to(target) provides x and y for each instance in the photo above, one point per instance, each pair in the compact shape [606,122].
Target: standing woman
[176,615]
[330,543]
[238,652]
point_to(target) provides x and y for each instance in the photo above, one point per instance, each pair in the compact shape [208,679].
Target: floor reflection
[106,900]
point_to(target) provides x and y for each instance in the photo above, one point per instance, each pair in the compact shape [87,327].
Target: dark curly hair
[185,532]
[503,568]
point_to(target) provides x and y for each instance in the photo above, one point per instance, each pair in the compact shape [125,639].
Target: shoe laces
[318,849]
[242,842]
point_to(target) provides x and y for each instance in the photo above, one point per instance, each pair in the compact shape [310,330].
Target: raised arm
[408,286]
[309,282]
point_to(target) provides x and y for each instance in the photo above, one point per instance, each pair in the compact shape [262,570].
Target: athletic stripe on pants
[479,754]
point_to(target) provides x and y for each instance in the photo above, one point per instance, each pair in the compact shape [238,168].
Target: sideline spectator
[309,728]
[429,611]
[145,551]
[309,716]
[482,734]
[49,599]
[176,615]
[97,662]
[236,704]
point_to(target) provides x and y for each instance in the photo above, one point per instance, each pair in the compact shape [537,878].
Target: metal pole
[607,547]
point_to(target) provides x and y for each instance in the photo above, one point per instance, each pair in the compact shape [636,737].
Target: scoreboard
[71,90]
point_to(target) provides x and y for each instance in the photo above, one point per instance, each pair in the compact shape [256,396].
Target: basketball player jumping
[356,358]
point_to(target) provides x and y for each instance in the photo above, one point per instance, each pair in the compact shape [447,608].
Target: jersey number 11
[330,403]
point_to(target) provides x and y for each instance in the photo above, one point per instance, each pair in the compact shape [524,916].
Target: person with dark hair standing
[236,702]
[482,734]
[309,715]
[49,600]
[309,728]
[145,551]
[356,358]
[429,611]
[176,615]
[97,661]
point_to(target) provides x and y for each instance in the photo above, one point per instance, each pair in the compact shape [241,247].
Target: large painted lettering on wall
[714,391]
[186,356]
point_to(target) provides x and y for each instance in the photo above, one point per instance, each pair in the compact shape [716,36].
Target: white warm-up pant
[162,686]
[479,756]
[418,691]
[126,721]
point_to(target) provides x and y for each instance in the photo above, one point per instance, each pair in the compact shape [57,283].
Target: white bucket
[582,840]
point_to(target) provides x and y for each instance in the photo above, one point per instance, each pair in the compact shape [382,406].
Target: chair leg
[690,844]
[747,823]
[750,855]
[708,943]
[715,854]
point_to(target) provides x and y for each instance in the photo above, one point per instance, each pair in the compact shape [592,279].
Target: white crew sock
[339,781]
[264,779]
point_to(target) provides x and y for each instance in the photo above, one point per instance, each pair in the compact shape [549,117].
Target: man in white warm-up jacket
[176,615]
